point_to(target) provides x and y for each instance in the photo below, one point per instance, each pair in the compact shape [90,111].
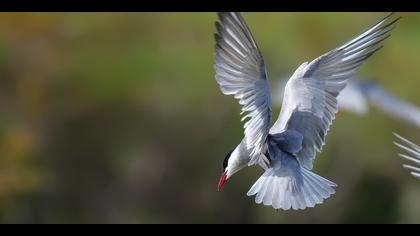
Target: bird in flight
[359,94]
[413,155]
[286,150]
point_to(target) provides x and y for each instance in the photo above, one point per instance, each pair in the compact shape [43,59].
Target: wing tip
[223,15]
[396,134]
[389,15]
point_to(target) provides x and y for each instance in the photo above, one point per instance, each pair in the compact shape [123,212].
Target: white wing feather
[413,155]
[352,99]
[310,99]
[240,71]
[392,105]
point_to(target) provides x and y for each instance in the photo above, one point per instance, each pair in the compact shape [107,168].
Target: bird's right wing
[413,155]
[392,105]
[240,71]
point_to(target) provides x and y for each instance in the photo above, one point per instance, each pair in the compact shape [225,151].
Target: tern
[413,155]
[359,94]
[286,150]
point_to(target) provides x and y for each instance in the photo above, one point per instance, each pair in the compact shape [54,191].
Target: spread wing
[352,99]
[413,155]
[310,99]
[240,71]
[392,105]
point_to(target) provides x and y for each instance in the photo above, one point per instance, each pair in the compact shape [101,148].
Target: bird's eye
[226,160]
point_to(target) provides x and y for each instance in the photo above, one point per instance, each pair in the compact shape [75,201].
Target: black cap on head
[226,160]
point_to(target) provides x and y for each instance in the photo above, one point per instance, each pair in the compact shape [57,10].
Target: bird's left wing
[240,71]
[352,99]
[413,155]
[310,99]
[391,104]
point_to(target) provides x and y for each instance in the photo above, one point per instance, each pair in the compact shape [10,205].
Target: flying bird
[359,93]
[286,150]
[412,155]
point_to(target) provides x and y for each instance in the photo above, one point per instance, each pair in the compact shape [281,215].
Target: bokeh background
[117,118]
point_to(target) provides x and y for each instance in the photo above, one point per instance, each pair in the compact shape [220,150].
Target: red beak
[222,181]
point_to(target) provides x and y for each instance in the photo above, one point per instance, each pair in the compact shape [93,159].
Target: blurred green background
[117,118]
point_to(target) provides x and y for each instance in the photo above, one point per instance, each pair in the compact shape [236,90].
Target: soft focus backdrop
[117,118]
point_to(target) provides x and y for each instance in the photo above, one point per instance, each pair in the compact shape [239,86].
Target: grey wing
[240,71]
[352,99]
[392,105]
[412,155]
[310,99]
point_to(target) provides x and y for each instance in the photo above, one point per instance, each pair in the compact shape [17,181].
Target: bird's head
[232,163]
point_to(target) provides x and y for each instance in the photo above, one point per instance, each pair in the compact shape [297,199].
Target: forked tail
[286,188]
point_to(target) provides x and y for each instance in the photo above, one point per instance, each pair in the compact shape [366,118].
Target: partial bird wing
[392,105]
[310,99]
[278,94]
[240,71]
[413,155]
[352,99]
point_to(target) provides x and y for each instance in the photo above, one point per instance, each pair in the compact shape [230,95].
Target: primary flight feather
[412,155]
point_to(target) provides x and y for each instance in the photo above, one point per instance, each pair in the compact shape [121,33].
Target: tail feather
[291,190]
[322,187]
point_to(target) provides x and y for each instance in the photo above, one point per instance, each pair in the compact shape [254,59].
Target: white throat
[238,159]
